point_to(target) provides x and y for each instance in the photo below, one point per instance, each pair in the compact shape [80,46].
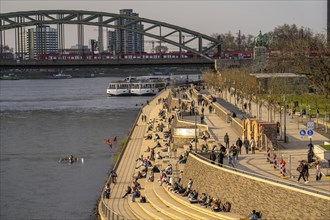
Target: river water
[45,120]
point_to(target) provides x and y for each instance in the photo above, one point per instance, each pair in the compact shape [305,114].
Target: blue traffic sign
[302,132]
[310,132]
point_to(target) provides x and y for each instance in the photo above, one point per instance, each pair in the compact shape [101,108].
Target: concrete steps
[150,210]
[164,196]
[197,207]
[138,212]
[160,205]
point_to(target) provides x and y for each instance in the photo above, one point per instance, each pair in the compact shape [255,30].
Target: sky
[204,16]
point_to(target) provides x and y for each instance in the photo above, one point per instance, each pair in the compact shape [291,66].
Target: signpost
[302,132]
[310,135]
[310,125]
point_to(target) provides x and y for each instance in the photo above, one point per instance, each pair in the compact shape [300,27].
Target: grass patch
[306,101]
[121,145]
[326,147]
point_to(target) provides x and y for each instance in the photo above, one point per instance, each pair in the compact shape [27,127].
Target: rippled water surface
[45,120]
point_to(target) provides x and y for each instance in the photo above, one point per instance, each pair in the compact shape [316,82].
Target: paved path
[255,163]
[296,149]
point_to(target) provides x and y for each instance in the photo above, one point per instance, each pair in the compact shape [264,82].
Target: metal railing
[255,175]
[106,210]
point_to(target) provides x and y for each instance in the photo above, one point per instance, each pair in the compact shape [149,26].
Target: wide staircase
[161,203]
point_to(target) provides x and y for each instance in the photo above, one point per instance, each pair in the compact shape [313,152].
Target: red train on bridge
[227,55]
[111,56]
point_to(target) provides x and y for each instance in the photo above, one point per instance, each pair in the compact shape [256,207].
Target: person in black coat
[220,157]
[239,144]
[213,157]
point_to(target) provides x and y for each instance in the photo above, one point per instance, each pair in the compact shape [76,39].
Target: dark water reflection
[44,120]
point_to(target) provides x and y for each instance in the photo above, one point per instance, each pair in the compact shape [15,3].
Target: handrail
[258,175]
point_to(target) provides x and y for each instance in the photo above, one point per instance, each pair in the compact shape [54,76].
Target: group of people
[107,191]
[303,170]
[254,215]
[214,203]
[248,145]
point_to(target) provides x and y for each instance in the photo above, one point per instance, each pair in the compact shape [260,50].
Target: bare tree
[161,49]
[299,51]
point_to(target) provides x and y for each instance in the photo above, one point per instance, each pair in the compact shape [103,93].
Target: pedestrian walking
[226,140]
[235,155]
[210,108]
[239,144]
[253,145]
[302,171]
[318,171]
[246,145]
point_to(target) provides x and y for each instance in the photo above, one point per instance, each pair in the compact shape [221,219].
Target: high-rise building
[111,36]
[123,41]
[41,40]
[328,23]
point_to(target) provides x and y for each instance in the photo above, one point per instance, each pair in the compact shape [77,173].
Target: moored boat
[10,76]
[62,76]
[135,88]
[143,88]
[145,85]
[119,88]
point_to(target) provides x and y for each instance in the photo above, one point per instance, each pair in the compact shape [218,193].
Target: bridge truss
[161,31]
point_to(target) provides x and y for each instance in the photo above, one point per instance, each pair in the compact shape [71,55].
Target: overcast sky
[205,16]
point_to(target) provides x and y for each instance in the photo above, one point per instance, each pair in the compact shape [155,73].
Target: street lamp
[195,129]
[281,133]
[284,130]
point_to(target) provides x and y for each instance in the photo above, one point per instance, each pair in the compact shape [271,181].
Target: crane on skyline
[152,42]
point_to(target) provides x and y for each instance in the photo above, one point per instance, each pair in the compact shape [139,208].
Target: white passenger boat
[146,88]
[145,85]
[119,88]
[135,88]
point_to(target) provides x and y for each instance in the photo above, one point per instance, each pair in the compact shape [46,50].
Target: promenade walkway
[164,205]
[293,151]
[161,204]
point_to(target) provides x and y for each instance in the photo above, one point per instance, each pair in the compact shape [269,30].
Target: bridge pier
[100,45]
[80,35]
[60,34]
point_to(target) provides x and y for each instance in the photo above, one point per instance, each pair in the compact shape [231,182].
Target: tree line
[291,49]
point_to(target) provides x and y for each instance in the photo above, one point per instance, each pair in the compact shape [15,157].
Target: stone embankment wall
[246,193]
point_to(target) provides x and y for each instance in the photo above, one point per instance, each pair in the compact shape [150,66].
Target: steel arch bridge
[161,31]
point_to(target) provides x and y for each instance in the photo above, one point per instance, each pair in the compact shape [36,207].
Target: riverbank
[96,72]
[260,171]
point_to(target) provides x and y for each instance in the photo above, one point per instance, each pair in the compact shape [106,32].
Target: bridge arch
[158,30]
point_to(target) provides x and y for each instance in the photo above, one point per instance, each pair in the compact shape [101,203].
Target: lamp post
[284,130]
[281,133]
[196,130]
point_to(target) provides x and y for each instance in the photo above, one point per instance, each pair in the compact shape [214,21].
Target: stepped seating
[151,211]
[138,212]
[197,207]
[164,196]
[159,205]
